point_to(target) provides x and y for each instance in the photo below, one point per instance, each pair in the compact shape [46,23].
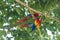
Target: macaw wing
[24,19]
[33,26]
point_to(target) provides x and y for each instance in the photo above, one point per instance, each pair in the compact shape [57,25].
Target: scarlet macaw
[37,22]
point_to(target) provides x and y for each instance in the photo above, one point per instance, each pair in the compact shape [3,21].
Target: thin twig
[40,33]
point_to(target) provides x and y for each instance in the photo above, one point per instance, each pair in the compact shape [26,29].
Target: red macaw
[37,22]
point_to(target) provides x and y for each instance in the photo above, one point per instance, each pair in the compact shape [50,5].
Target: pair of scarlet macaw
[37,21]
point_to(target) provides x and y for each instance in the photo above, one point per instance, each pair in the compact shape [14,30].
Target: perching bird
[37,22]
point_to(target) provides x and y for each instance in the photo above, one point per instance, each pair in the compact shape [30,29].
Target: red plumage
[38,22]
[24,25]
[22,20]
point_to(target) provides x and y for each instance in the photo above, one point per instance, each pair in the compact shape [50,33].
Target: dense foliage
[11,11]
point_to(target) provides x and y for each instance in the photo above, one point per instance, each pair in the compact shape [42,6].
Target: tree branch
[47,15]
[20,2]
